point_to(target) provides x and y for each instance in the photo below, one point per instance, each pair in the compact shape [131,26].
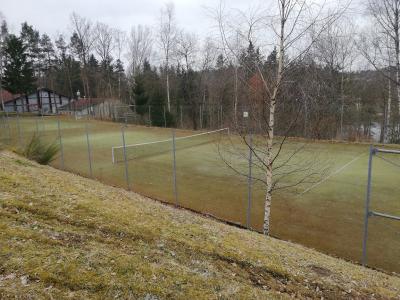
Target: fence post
[249,182]
[88,148]
[61,144]
[19,130]
[181,116]
[201,116]
[9,128]
[42,118]
[165,118]
[37,126]
[367,202]
[150,116]
[125,158]
[221,116]
[174,167]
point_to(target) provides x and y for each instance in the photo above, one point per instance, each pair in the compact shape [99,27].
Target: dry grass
[64,236]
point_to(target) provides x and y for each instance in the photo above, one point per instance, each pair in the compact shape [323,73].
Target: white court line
[330,175]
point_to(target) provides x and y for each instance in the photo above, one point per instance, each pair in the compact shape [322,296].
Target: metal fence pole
[9,127]
[201,116]
[367,202]
[37,126]
[89,150]
[61,144]
[181,116]
[249,182]
[174,167]
[221,117]
[150,116]
[125,158]
[42,118]
[165,118]
[19,130]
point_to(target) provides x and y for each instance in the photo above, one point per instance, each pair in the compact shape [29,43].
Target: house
[43,100]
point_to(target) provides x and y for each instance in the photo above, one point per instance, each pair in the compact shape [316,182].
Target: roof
[7,96]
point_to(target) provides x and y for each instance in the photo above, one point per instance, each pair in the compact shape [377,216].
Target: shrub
[38,151]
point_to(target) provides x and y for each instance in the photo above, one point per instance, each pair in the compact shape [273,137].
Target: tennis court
[326,214]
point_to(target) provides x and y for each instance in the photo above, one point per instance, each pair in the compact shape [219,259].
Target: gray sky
[52,16]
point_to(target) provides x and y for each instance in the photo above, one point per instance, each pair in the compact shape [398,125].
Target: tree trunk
[168,97]
[271,122]
[389,111]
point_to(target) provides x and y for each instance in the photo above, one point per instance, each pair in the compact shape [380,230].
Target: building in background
[43,100]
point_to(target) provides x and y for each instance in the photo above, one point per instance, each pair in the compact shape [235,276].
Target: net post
[88,149]
[61,144]
[249,182]
[125,158]
[367,203]
[174,167]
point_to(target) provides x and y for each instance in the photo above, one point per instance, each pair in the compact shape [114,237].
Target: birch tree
[167,38]
[386,16]
[289,29]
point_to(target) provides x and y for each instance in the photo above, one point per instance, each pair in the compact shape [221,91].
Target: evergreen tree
[31,40]
[251,60]
[18,73]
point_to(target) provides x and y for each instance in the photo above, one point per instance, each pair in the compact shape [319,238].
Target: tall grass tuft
[38,151]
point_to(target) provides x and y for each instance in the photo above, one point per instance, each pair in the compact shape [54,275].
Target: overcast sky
[52,16]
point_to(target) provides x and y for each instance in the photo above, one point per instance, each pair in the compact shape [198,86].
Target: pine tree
[18,73]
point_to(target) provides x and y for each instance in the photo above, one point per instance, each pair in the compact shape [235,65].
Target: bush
[38,151]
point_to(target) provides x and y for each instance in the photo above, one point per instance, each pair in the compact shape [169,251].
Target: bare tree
[387,15]
[289,29]
[335,50]
[167,38]
[104,44]
[139,47]
[186,49]
[120,41]
[82,41]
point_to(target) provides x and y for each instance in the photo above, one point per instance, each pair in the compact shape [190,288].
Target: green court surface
[325,213]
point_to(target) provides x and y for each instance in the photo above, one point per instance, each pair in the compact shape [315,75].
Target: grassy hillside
[64,236]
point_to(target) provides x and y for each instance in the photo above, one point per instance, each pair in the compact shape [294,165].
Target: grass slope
[64,236]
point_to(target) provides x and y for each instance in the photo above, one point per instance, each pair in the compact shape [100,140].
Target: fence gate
[370,213]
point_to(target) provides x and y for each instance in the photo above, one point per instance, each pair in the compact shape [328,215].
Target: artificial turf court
[327,216]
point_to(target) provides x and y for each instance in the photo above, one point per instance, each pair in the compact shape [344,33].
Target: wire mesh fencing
[156,153]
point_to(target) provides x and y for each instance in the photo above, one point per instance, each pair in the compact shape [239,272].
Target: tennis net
[150,149]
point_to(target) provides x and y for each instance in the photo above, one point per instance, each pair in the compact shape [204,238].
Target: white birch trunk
[271,122]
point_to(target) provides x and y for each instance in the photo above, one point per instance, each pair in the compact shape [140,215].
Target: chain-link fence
[210,170]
